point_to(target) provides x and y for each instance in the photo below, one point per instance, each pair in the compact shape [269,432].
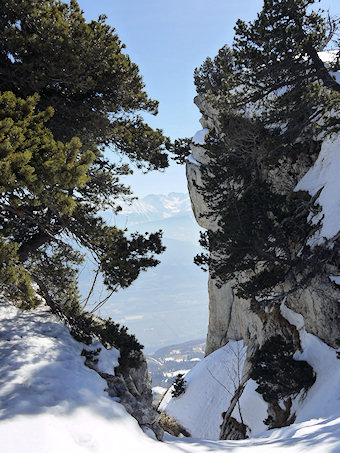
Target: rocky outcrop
[171,426]
[319,306]
[233,430]
[133,391]
[235,318]
[130,386]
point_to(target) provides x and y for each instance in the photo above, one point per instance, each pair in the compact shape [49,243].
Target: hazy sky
[168,39]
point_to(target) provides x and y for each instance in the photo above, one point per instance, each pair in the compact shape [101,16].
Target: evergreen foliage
[181,150]
[62,78]
[178,386]
[276,372]
[274,72]
[277,101]
[85,328]
[80,70]
[277,57]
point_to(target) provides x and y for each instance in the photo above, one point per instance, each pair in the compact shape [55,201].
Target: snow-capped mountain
[156,207]
[171,213]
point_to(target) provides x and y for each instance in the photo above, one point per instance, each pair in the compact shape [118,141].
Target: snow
[324,176]
[172,359]
[210,386]
[107,358]
[328,56]
[159,390]
[336,75]
[335,279]
[323,399]
[253,409]
[192,160]
[315,436]
[170,374]
[157,207]
[199,137]
[52,403]
[317,426]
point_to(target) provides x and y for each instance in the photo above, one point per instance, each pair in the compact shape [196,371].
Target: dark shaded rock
[231,429]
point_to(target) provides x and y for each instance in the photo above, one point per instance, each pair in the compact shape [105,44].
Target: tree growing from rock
[277,101]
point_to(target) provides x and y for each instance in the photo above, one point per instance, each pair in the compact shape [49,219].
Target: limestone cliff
[235,318]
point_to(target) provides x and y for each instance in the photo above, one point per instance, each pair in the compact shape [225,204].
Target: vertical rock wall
[231,317]
[234,318]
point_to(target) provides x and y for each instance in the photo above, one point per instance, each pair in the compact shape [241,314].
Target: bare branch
[90,292]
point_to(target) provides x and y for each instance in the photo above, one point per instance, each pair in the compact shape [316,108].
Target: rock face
[131,386]
[234,318]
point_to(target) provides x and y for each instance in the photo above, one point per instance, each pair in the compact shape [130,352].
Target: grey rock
[231,317]
[132,388]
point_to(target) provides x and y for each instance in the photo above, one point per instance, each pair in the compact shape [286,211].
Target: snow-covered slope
[213,381]
[210,386]
[324,177]
[52,403]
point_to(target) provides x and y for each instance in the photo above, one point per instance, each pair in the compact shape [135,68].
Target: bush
[85,327]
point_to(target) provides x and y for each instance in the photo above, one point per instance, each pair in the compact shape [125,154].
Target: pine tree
[277,62]
[79,69]
[277,101]
[37,175]
[62,78]
[274,71]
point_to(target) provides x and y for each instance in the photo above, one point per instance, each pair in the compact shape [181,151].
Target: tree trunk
[32,245]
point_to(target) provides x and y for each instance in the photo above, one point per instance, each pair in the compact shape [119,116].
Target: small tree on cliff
[61,78]
[178,386]
[274,71]
[277,61]
[277,101]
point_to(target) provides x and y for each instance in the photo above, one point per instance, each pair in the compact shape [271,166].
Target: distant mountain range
[156,207]
[169,303]
[171,213]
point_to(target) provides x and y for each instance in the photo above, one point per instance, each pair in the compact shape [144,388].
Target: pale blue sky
[168,39]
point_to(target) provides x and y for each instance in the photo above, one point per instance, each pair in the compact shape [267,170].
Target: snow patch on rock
[324,176]
[323,398]
[199,137]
